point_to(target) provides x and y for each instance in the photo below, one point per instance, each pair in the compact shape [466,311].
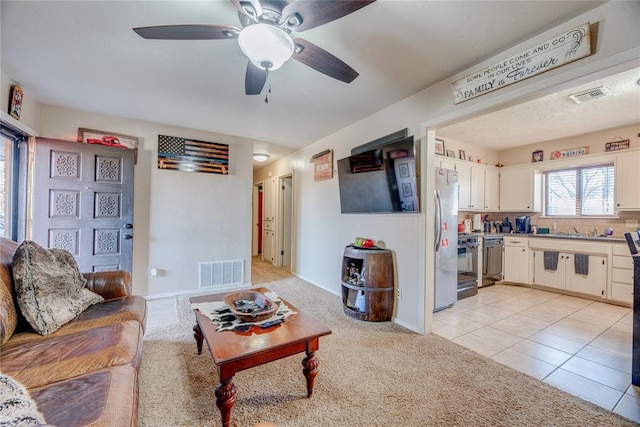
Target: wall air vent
[588,95]
[221,273]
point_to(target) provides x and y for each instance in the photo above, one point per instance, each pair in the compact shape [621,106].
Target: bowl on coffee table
[250,306]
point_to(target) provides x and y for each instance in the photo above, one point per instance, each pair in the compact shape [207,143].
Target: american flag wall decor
[190,155]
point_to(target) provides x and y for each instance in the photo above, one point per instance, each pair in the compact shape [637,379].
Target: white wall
[322,232]
[596,142]
[180,218]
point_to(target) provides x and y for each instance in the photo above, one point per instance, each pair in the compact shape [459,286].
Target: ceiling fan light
[266,46]
[260,157]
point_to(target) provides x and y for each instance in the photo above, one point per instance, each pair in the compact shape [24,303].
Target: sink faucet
[575,230]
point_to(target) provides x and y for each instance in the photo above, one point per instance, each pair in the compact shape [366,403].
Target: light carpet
[371,374]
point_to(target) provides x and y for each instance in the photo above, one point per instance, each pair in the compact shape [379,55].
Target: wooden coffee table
[235,351]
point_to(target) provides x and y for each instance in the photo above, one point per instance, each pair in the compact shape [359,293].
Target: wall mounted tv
[380,180]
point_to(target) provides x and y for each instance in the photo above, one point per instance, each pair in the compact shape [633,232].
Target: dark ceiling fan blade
[254,80]
[321,60]
[255,4]
[313,13]
[189,32]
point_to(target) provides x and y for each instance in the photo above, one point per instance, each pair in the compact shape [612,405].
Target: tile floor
[580,346]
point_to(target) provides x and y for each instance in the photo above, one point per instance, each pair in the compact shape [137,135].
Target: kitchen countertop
[603,239]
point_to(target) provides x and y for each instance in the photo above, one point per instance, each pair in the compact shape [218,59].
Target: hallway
[264,272]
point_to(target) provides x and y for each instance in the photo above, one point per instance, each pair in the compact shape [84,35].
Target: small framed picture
[15,101]
[440,147]
[451,153]
[404,170]
[537,156]
[406,189]
[462,155]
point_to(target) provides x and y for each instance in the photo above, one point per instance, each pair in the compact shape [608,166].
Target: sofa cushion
[55,358]
[108,397]
[102,314]
[16,406]
[49,287]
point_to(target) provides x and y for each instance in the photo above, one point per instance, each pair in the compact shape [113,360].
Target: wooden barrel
[368,283]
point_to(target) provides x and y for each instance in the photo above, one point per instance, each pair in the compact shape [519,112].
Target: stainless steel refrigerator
[446,238]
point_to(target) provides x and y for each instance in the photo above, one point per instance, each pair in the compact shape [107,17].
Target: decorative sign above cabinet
[558,51]
[571,152]
[617,145]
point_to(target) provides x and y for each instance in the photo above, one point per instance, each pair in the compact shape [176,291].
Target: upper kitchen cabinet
[471,186]
[520,189]
[491,189]
[627,179]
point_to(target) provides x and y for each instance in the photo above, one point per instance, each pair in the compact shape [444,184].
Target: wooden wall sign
[617,145]
[558,51]
[190,155]
[571,152]
[323,165]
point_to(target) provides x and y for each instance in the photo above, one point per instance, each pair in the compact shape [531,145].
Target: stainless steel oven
[467,266]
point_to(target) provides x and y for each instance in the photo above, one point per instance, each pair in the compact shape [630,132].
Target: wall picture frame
[537,156]
[462,155]
[451,153]
[15,101]
[439,147]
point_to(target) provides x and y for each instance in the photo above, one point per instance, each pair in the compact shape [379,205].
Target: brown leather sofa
[86,372]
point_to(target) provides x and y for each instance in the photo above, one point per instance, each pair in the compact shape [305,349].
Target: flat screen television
[380,180]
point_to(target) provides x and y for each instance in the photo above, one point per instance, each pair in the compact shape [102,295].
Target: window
[11,175]
[582,191]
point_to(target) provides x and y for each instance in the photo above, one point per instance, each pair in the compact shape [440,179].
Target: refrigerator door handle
[438,220]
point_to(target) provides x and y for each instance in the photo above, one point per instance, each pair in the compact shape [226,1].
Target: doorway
[286,220]
[83,202]
[258,200]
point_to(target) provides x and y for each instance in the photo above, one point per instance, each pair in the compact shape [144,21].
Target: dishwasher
[491,259]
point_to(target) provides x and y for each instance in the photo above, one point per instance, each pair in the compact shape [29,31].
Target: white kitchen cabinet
[520,189]
[593,283]
[544,277]
[269,245]
[565,276]
[627,179]
[621,275]
[491,189]
[269,199]
[471,186]
[516,260]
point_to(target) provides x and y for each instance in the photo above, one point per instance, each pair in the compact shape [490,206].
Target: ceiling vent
[588,95]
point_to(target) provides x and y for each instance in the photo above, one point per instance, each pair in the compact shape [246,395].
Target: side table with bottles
[368,283]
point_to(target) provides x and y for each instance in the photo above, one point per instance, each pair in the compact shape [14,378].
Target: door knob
[128,226]
[128,236]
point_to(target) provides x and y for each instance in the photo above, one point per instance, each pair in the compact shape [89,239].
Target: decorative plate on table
[250,306]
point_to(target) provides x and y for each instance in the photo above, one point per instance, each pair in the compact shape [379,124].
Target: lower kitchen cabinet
[565,276]
[516,260]
[622,275]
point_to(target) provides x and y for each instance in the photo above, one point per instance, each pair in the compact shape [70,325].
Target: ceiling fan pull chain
[266,98]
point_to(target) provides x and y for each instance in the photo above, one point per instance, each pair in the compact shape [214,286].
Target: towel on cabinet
[581,264]
[551,260]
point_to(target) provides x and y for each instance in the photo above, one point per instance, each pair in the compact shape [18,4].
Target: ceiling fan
[265,37]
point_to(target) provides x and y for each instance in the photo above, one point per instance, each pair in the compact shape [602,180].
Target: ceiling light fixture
[260,157]
[266,46]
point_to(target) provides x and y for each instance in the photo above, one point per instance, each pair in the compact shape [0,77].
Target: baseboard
[317,285]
